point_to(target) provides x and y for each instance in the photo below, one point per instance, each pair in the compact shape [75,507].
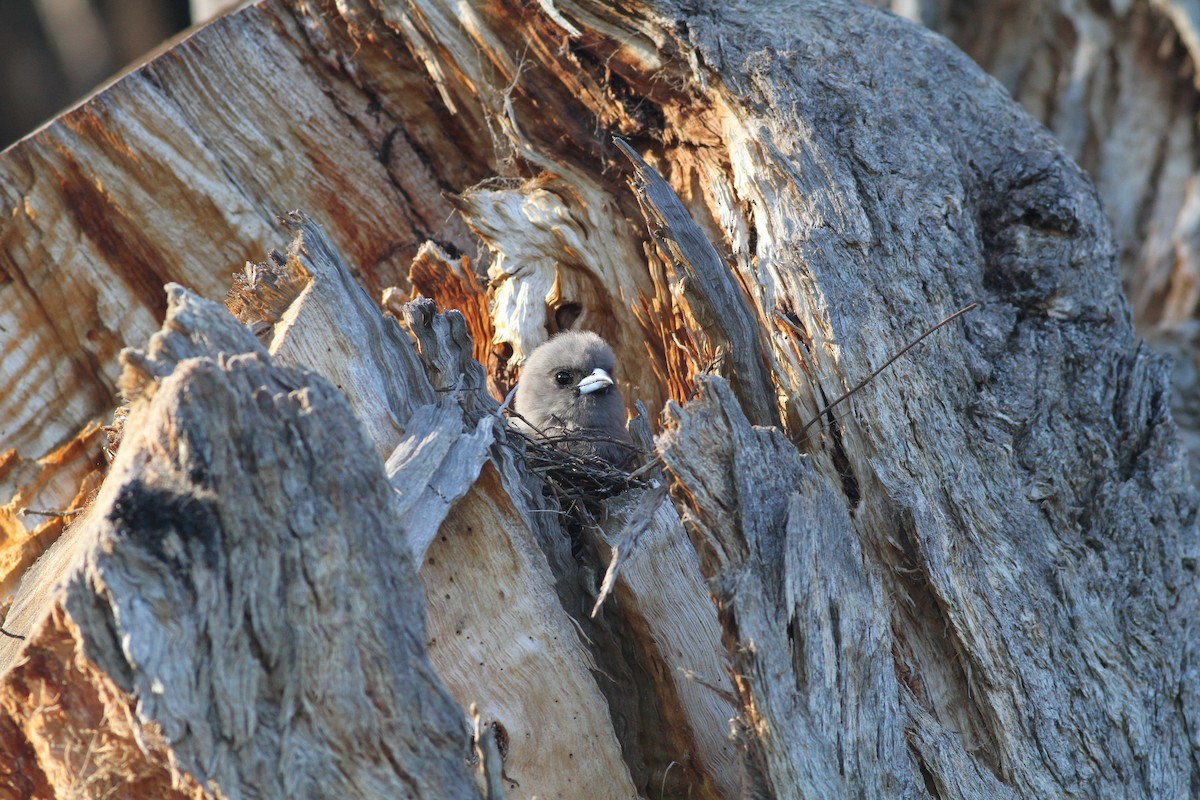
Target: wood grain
[973,579]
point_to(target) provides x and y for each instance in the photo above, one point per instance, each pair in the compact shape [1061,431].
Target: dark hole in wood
[503,352]
[565,316]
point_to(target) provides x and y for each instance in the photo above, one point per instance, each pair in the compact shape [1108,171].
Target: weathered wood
[264,636]
[812,655]
[203,145]
[985,474]
[433,466]
[500,639]
[661,598]
[996,535]
[69,729]
[495,627]
[703,282]
[331,325]
[43,496]
[450,283]
[1118,87]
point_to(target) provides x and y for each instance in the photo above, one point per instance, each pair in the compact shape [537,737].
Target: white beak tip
[599,379]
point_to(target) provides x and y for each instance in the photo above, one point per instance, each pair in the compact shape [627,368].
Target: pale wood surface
[974,580]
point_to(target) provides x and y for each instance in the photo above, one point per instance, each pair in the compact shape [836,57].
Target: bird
[566,389]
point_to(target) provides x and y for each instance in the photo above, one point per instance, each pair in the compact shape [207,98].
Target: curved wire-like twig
[829,407]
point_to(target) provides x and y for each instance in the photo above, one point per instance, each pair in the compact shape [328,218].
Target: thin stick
[887,364]
[39,513]
[508,399]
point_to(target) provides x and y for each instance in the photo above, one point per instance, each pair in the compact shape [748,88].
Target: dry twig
[845,396]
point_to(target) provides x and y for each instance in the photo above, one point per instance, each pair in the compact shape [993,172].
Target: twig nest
[564,462]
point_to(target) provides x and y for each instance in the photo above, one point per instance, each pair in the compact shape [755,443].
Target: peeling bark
[975,579]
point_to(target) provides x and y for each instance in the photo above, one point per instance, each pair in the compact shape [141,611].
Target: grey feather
[566,389]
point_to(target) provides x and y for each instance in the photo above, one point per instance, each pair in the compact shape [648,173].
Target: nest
[577,478]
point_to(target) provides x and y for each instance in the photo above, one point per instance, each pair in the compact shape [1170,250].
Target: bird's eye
[562,378]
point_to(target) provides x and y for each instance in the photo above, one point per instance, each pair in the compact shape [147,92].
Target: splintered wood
[192,576]
[69,730]
[319,543]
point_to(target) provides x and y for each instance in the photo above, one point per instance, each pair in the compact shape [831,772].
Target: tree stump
[320,563]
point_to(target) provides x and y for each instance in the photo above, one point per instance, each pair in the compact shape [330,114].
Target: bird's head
[568,383]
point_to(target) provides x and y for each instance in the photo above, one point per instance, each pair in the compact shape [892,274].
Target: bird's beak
[596,382]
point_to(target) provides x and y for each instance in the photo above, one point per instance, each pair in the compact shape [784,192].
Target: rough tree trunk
[1117,84]
[976,578]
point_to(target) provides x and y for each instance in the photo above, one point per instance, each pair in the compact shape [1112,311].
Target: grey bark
[977,580]
[241,575]
[1019,487]
[792,583]
[1117,85]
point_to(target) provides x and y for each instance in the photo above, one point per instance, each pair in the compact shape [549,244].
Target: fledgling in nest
[572,418]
